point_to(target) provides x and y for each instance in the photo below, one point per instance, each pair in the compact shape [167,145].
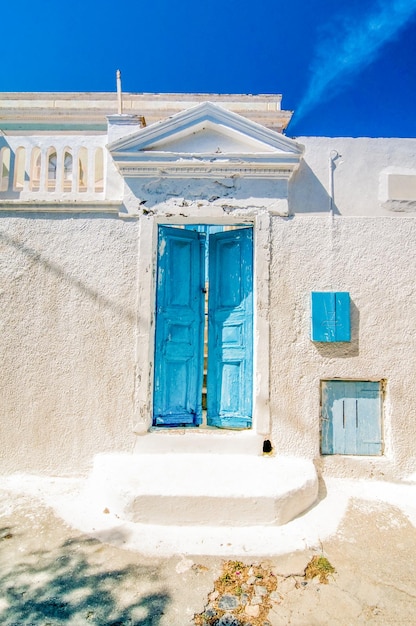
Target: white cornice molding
[42,206]
[135,157]
[209,112]
[206,170]
[84,110]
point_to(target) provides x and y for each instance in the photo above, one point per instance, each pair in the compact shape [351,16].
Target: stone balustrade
[52,167]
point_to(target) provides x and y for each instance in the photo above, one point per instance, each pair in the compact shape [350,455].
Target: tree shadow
[63,586]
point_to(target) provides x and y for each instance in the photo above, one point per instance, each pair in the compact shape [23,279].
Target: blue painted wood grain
[230,329]
[179,327]
[351,418]
[330,316]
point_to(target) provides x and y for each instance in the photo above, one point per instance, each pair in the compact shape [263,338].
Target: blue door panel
[351,418]
[179,358]
[230,329]
[206,229]
[179,328]
[230,403]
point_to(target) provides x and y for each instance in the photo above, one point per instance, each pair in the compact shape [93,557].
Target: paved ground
[53,575]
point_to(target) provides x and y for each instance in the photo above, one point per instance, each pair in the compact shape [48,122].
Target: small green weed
[319,566]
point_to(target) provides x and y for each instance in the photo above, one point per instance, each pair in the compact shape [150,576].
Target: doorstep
[199,489]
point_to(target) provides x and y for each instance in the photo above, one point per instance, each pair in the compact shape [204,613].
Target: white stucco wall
[68,317]
[77,294]
[373,259]
[358,177]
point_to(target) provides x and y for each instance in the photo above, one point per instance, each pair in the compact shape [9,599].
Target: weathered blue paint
[351,418]
[230,329]
[330,316]
[179,327]
[207,229]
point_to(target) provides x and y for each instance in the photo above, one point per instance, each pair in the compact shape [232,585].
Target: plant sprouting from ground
[319,566]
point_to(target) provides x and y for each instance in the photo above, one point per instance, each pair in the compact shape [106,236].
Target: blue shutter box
[330,316]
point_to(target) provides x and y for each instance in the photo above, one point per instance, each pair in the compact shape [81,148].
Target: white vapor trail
[352,46]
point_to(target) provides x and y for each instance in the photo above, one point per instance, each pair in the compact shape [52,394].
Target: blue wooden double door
[204,327]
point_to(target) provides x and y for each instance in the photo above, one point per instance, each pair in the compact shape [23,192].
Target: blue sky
[345,68]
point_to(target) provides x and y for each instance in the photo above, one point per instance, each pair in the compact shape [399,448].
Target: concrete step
[202,489]
[199,441]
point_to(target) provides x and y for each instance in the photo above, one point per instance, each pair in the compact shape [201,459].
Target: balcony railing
[52,168]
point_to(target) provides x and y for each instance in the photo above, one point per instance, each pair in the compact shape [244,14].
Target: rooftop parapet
[74,112]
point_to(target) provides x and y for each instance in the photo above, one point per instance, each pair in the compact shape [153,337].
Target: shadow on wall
[342,349]
[61,586]
[308,195]
[62,274]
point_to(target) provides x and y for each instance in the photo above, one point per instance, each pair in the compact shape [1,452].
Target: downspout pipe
[333,156]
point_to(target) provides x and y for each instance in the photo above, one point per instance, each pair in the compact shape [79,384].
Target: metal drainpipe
[333,156]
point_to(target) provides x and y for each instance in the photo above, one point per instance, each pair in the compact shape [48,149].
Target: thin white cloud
[351,46]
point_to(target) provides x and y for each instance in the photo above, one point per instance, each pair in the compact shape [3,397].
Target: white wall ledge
[196,441]
[73,206]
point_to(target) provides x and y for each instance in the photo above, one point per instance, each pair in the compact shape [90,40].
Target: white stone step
[199,441]
[203,489]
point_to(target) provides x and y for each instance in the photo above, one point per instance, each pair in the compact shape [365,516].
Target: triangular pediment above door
[211,138]
[202,135]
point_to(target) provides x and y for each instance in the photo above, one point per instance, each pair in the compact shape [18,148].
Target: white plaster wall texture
[218,197]
[68,318]
[71,308]
[356,177]
[358,182]
[373,259]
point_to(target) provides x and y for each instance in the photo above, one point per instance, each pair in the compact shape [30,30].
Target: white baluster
[43,169]
[75,170]
[91,170]
[26,178]
[59,171]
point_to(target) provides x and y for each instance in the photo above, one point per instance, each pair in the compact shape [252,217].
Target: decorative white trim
[136,156]
[260,223]
[41,206]
[205,170]
[184,121]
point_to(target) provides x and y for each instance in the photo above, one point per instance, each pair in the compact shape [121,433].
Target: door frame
[146,299]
